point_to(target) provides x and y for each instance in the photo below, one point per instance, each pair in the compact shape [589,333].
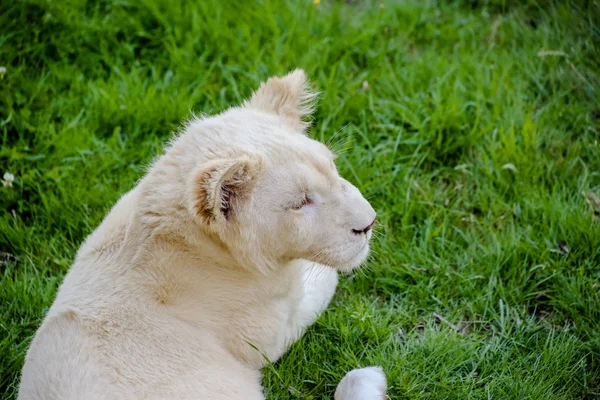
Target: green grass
[480,152]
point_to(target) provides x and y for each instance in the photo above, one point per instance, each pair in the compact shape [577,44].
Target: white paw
[362,384]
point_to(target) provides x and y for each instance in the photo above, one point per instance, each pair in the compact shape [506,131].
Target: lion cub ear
[289,96]
[218,187]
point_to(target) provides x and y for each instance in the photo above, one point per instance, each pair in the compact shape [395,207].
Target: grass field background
[472,126]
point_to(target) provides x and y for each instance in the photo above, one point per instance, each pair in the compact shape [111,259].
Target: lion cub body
[212,262]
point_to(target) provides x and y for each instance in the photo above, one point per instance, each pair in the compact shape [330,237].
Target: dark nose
[364,230]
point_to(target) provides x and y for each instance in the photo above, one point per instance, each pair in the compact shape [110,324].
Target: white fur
[362,384]
[209,264]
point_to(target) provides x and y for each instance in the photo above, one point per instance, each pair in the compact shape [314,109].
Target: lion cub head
[265,190]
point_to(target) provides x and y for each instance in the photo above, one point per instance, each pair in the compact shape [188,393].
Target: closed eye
[303,202]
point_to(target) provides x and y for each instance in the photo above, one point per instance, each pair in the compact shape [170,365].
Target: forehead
[295,156]
[266,133]
[250,131]
[297,147]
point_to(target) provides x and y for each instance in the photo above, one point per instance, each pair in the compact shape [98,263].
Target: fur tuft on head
[289,97]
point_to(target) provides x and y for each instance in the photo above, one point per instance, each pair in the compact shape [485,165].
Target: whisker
[336,135]
[339,143]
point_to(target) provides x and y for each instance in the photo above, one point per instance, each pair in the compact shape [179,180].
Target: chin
[354,262]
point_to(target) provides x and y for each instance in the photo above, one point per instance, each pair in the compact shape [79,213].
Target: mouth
[364,245]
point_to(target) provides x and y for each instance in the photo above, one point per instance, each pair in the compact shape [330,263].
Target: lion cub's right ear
[218,188]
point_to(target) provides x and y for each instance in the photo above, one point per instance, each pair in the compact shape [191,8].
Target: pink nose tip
[365,230]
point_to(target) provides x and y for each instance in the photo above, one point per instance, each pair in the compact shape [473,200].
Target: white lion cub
[229,244]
